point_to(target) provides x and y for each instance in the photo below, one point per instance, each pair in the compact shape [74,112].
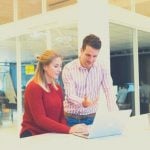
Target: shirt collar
[83,68]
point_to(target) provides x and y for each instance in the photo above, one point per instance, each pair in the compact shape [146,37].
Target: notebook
[107,124]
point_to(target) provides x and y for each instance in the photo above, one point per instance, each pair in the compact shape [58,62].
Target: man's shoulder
[71,65]
[100,66]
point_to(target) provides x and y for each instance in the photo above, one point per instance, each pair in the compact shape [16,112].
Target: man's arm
[69,86]
[109,92]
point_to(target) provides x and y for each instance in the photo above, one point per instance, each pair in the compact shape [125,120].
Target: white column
[136,73]
[19,93]
[93,18]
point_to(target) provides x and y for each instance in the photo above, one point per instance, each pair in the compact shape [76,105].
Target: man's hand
[86,102]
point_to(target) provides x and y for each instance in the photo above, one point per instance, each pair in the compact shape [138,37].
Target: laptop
[107,124]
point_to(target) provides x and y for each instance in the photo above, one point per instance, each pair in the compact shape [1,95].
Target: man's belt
[79,116]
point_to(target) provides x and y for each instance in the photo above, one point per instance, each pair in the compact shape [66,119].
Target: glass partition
[8,82]
[121,53]
[144,71]
[64,40]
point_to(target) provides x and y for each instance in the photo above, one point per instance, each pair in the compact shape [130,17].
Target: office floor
[8,127]
[9,134]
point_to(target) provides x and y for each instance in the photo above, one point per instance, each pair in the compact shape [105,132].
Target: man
[83,79]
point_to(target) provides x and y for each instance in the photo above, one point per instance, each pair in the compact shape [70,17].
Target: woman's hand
[79,128]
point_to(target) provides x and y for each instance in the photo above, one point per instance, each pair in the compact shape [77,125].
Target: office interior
[27,27]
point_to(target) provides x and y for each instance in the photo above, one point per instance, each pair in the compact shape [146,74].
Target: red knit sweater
[43,110]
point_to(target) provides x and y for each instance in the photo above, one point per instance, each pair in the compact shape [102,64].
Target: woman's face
[53,70]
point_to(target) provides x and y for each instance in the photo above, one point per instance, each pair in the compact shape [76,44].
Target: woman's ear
[44,67]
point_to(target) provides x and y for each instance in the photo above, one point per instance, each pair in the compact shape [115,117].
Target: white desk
[136,137]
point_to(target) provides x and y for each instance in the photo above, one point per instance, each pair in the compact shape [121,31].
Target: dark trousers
[26,134]
[72,121]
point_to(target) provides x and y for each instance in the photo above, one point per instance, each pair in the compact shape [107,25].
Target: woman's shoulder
[58,86]
[32,85]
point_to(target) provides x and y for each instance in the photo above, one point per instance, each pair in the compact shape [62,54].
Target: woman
[44,100]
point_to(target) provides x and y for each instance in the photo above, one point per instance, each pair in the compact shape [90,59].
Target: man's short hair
[91,40]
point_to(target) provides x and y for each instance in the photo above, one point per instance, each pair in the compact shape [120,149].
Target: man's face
[88,56]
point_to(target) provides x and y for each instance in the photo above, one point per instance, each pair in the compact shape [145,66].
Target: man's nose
[91,59]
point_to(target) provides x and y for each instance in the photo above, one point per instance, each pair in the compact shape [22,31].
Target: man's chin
[88,66]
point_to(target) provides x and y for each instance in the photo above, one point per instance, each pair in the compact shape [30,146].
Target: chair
[128,104]
[12,107]
[3,102]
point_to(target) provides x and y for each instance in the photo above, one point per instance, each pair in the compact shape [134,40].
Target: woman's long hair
[44,59]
